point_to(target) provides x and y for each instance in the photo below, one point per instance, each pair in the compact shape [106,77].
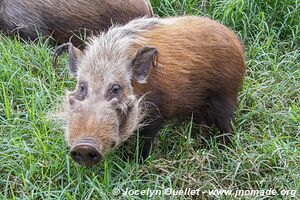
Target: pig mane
[118,39]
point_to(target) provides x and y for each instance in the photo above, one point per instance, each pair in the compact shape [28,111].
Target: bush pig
[148,71]
[61,18]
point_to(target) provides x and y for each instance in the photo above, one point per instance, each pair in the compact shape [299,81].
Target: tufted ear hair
[144,60]
[75,55]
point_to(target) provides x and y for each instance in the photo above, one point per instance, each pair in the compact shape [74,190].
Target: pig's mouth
[87,151]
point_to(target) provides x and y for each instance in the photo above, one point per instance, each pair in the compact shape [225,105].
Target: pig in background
[149,71]
[61,19]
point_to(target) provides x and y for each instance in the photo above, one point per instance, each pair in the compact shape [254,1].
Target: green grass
[34,161]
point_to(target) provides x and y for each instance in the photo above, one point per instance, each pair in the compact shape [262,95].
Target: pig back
[197,58]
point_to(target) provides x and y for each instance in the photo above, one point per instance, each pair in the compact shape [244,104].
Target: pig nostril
[76,155]
[92,155]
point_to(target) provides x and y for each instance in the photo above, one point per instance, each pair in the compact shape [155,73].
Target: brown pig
[149,71]
[61,19]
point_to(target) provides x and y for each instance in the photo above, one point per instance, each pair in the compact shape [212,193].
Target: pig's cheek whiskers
[122,118]
[122,109]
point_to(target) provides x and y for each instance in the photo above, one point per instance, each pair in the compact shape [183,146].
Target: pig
[148,71]
[61,19]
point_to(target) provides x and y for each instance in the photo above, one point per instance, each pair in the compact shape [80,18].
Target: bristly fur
[198,69]
[194,53]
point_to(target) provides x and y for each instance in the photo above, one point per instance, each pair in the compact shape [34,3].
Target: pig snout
[85,154]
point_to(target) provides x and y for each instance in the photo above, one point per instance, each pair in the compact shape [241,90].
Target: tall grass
[34,161]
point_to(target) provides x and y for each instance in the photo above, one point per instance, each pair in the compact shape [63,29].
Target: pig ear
[74,56]
[144,60]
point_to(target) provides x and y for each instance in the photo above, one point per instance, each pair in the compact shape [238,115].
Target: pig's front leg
[147,138]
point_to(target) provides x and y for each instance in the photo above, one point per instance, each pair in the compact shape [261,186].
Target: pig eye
[82,90]
[115,89]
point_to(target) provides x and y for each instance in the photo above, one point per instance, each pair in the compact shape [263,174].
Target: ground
[265,155]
